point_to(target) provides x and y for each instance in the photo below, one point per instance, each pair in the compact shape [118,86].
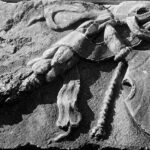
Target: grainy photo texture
[74,74]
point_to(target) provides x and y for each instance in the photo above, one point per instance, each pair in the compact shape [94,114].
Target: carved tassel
[98,129]
[122,54]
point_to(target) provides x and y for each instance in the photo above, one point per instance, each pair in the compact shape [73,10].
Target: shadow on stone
[11,114]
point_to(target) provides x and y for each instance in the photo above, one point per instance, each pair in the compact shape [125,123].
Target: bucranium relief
[105,32]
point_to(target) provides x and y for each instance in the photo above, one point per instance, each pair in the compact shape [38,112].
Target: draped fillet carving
[99,36]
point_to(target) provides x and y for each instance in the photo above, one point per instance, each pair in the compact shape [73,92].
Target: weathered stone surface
[31,119]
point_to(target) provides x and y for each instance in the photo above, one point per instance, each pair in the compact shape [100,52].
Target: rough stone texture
[95,1]
[31,119]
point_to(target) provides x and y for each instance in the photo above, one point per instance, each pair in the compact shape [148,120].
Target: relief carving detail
[115,32]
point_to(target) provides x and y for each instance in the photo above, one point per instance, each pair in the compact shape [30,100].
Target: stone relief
[101,33]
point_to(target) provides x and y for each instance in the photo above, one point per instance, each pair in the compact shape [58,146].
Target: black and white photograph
[74,75]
